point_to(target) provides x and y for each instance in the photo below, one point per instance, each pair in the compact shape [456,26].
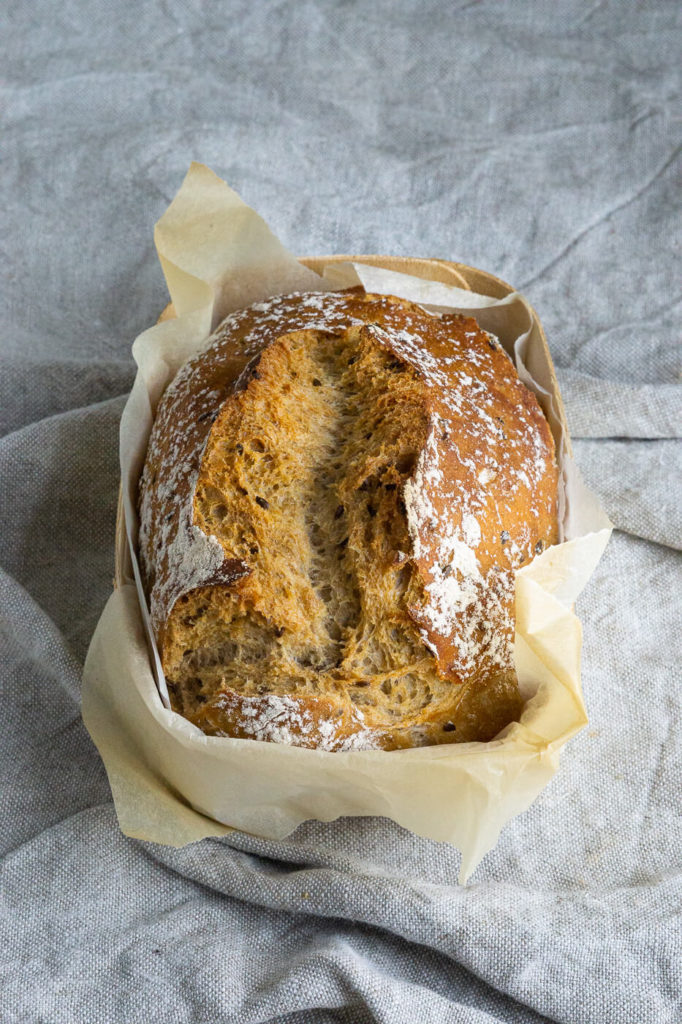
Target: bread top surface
[337,492]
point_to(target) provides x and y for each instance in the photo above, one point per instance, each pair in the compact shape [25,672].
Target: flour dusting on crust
[447,499]
[282,719]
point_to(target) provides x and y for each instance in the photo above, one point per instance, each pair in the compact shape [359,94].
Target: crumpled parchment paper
[174,785]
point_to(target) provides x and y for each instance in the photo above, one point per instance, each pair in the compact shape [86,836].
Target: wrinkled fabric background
[539,141]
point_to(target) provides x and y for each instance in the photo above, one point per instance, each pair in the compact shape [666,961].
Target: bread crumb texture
[336,495]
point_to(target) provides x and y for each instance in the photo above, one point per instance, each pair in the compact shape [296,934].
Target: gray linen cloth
[536,140]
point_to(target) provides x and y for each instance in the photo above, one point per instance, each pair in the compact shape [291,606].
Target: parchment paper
[171,783]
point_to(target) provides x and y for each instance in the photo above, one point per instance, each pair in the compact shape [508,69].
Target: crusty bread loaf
[336,494]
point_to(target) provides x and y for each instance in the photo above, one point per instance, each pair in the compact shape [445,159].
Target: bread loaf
[336,495]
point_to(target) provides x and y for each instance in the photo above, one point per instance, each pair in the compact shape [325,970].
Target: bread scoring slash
[336,495]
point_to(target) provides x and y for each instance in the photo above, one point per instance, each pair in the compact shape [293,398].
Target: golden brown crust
[336,495]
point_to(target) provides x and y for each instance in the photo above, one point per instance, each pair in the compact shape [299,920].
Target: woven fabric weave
[537,141]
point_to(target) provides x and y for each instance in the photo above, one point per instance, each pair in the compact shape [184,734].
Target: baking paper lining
[171,783]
